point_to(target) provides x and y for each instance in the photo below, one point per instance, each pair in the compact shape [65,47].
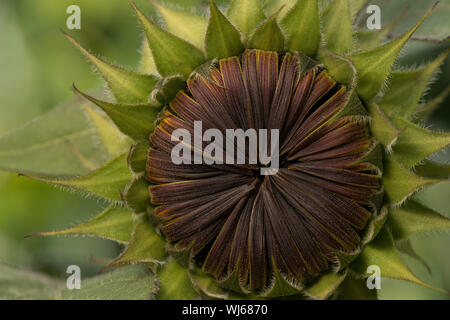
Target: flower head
[350,155]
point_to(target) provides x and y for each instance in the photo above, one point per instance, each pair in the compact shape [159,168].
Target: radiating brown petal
[236,92]
[285,243]
[218,255]
[257,245]
[184,224]
[297,108]
[317,210]
[211,98]
[283,93]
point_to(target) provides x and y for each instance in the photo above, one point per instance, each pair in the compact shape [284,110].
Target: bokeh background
[37,68]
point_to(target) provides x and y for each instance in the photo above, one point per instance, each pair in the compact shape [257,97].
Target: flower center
[249,228]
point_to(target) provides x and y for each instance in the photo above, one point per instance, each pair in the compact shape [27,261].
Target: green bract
[189,48]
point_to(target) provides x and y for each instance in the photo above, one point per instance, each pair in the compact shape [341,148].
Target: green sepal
[135,120]
[222,39]
[382,253]
[147,63]
[175,283]
[267,36]
[233,282]
[355,289]
[433,170]
[404,246]
[272,6]
[136,195]
[127,86]
[337,27]
[172,54]
[325,286]
[415,143]
[370,39]
[166,89]
[425,111]
[356,6]
[374,65]
[115,142]
[279,286]
[302,27]
[342,259]
[406,88]
[401,183]
[114,223]
[340,68]
[414,218]
[374,156]
[382,127]
[246,14]
[306,63]
[137,157]
[374,226]
[206,286]
[105,182]
[185,25]
[145,245]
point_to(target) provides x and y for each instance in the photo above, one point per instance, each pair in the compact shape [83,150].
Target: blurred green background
[37,68]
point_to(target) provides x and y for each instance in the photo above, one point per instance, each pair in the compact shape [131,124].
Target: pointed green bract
[374,65]
[325,286]
[147,63]
[114,141]
[137,157]
[279,286]
[414,218]
[267,36]
[356,6]
[337,27]
[400,183]
[246,14]
[302,28]
[356,289]
[272,6]
[425,111]
[145,245]
[105,182]
[404,246]
[406,88]
[166,89]
[432,169]
[370,39]
[382,253]
[136,195]
[415,143]
[127,86]
[172,55]
[114,223]
[206,285]
[175,283]
[185,25]
[222,38]
[382,127]
[135,120]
